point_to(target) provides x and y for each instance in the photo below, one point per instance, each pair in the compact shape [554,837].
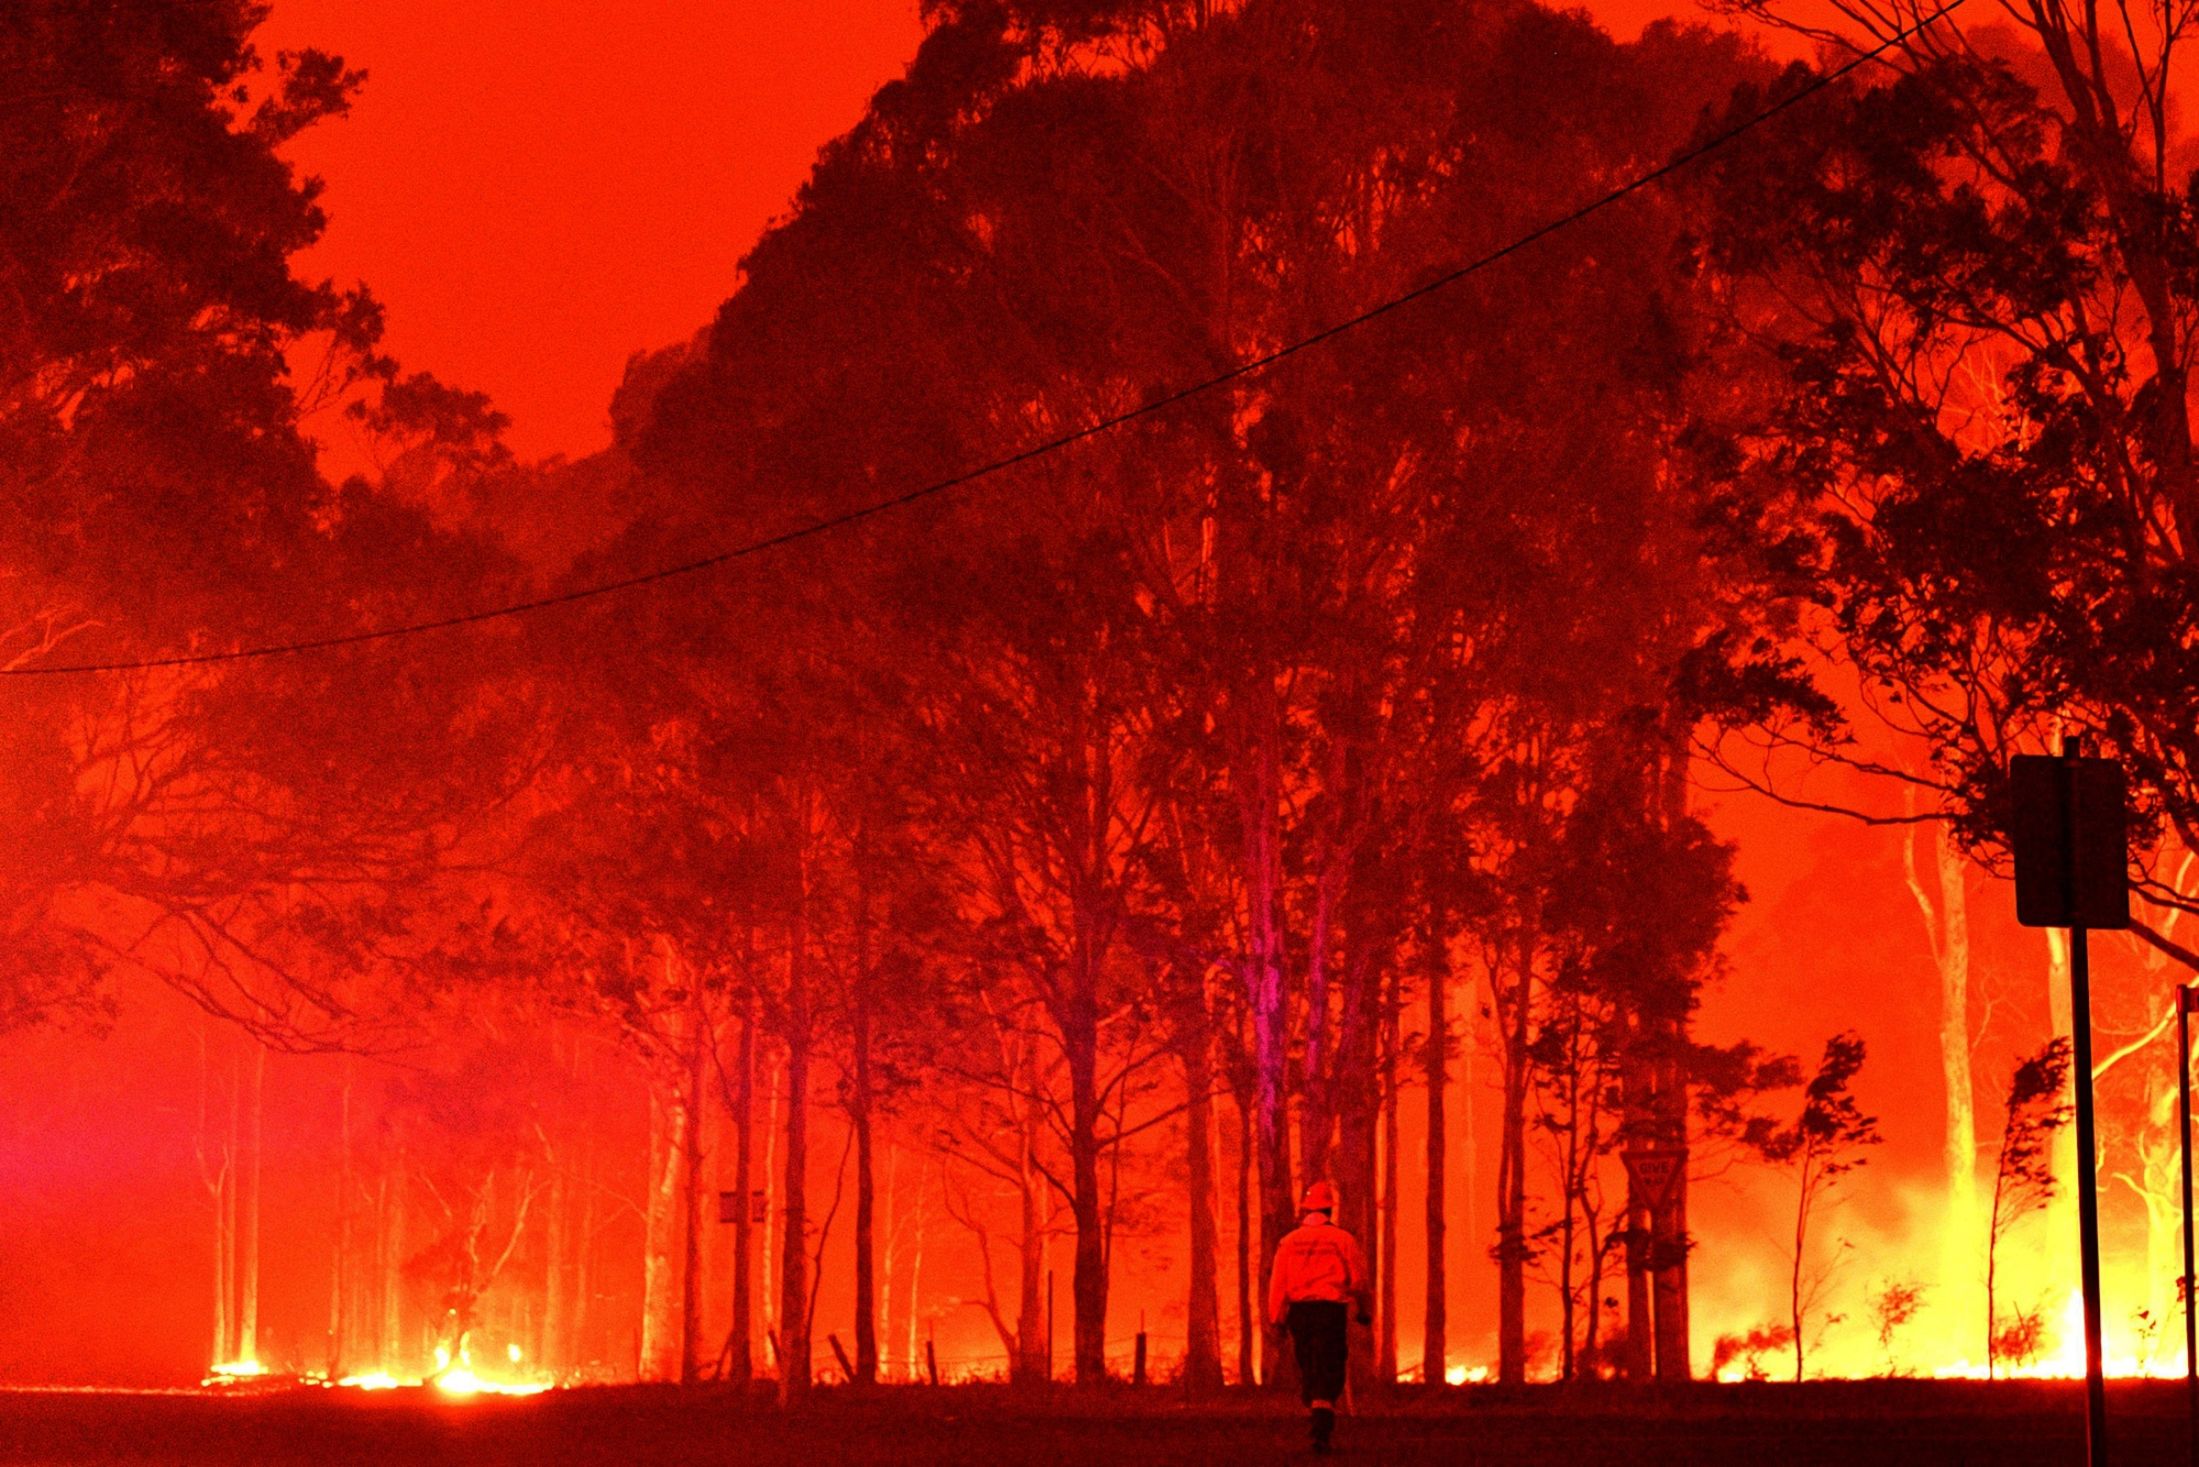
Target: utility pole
[2187,1000]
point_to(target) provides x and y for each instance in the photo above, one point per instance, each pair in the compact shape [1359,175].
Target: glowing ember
[458,1378]
[461,1381]
[379,1380]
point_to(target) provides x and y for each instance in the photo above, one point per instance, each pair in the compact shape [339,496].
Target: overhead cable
[1040,449]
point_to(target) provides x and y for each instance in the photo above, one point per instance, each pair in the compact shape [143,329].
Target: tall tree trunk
[1386,1266]
[553,1345]
[1569,1200]
[219,1182]
[1513,1008]
[339,1274]
[1203,1309]
[866,1272]
[794,1362]
[859,1112]
[1794,1275]
[1266,999]
[659,1351]
[248,1309]
[1675,1355]
[1329,1085]
[395,1357]
[584,1249]
[2061,1207]
[1033,1348]
[2160,1169]
[1592,1337]
[1435,1061]
[1669,1222]
[1641,1318]
[774,1127]
[916,1284]
[1248,1323]
[794,1343]
[890,1230]
[693,1361]
[741,1363]
[1356,1168]
[225,1265]
[1944,908]
[1088,1279]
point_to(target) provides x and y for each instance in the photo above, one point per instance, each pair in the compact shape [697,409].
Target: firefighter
[1320,1280]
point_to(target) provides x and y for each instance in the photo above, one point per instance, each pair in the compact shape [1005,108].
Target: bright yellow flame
[2068,1358]
[460,1379]
[463,1382]
[229,1370]
[1466,1374]
[2065,1361]
[377,1380]
[459,1382]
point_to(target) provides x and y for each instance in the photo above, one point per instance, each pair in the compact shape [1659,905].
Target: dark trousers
[1317,1334]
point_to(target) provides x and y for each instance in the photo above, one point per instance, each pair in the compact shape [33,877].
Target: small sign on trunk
[1654,1173]
[729,1206]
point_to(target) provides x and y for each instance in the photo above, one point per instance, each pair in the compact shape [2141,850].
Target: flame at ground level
[379,1380]
[452,1378]
[2132,1356]
[2067,1359]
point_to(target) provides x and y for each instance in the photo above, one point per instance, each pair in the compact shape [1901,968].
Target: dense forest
[1167,641]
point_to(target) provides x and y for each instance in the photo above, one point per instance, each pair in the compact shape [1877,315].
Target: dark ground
[1779,1426]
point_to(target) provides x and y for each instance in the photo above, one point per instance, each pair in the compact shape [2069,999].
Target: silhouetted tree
[1986,432]
[2036,1108]
[1824,1143]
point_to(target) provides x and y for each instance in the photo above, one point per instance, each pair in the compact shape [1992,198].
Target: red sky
[538,188]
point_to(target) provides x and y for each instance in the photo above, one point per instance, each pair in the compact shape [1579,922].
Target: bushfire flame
[454,1378]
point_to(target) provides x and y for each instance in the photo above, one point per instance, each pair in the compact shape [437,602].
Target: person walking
[1319,1282]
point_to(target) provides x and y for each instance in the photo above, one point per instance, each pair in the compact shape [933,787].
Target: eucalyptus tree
[1274,619]
[1979,304]
[1981,257]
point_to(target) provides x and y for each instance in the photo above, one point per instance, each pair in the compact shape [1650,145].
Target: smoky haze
[1004,905]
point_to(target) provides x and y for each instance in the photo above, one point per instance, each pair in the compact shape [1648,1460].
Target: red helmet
[1320,1197]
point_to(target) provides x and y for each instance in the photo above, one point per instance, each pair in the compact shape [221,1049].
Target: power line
[1149,408]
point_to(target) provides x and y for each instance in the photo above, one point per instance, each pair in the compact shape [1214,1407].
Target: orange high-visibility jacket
[1316,1260]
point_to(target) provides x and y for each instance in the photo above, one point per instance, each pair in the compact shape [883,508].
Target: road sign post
[2088,1195]
[1654,1171]
[2072,871]
[1656,1260]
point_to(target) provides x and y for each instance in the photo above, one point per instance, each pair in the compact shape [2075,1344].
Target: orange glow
[607,171]
[378,1380]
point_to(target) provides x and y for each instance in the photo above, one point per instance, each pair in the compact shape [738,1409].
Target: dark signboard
[2071,842]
